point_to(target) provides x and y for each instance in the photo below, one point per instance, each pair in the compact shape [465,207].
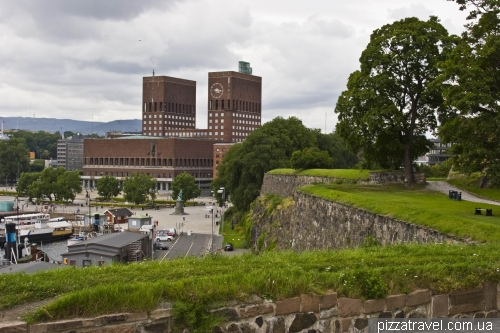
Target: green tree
[37,166]
[269,147]
[62,184]
[311,158]
[472,87]
[138,187]
[108,187]
[44,144]
[336,147]
[26,179]
[187,184]
[68,185]
[14,159]
[390,103]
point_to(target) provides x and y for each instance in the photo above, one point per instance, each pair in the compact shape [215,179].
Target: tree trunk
[409,175]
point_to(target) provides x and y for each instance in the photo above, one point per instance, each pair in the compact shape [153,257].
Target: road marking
[189,248]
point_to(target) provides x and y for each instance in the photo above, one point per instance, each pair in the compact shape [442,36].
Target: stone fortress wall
[316,223]
[308,313]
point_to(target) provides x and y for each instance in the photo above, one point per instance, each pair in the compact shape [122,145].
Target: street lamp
[212,242]
[88,196]
[223,191]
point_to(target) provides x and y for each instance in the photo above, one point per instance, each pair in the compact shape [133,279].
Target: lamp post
[212,242]
[88,196]
[223,191]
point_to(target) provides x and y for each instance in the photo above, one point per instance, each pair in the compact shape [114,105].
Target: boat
[39,228]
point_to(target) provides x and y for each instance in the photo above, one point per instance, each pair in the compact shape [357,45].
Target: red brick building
[160,158]
[170,143]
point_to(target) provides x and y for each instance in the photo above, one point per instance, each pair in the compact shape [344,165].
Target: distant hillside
[76,126]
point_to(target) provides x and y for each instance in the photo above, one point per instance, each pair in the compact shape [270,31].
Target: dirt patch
[16,313]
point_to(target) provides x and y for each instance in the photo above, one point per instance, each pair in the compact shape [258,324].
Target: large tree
[268,147]
[390,103]
[138,187]
[472,87]
[187,184]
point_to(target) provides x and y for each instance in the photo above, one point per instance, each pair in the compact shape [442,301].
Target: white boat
[39,228]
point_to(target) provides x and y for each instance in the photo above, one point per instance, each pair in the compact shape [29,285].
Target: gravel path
[445,188]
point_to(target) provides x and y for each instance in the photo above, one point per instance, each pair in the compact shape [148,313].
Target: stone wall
[285,185]
[308,313]
[315,223]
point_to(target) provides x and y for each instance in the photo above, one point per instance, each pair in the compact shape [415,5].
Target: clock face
[216,90]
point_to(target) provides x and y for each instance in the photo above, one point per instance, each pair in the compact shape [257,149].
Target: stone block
[130,317]
[159,314]
[492,314]
[328,313]
[287,306]
[324,326]
[275,325]
[328,301]
[345,324]
[309,303]
[418,297]
[14,327]
[470,300]
[490,296]
[394,302]
[110,319]
[374,305]
[301,321]
[385,314]
[255,310]
[439,306]
[229,314]
[349,306]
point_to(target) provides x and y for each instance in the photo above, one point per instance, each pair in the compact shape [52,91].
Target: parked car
[170,231]
[160,246]
[162,236]
[228,247]
[146,228]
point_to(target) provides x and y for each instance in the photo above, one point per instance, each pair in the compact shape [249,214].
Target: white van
[146,228]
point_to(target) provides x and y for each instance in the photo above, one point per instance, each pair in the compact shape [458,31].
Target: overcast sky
[85,59]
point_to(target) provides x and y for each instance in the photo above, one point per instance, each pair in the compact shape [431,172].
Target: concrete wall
[328,313]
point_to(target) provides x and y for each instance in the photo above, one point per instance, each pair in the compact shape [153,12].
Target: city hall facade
[170,143]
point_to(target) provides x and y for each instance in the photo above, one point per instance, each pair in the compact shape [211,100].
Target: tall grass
[219,279]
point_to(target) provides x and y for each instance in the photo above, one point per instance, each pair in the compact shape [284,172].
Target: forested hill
[76,126]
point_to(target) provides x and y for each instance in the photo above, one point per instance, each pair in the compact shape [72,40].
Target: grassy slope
[333,173]
[419,206]
[140,287]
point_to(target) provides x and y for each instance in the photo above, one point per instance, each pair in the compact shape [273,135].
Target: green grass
[469,185]
[332,173]
[418,205]
[217,279]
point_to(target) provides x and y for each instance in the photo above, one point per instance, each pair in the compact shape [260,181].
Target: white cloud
[75,59]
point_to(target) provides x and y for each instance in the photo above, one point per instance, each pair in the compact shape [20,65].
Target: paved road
[445,188]
[185,245]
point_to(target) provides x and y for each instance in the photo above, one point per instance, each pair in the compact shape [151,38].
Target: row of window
[166,162]
[169,107]
[237,105]
[155,175]
[169,116]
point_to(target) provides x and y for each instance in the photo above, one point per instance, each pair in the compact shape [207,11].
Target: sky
[85,59]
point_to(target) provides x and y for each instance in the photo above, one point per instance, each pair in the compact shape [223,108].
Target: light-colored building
[70,153]
[119,247]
